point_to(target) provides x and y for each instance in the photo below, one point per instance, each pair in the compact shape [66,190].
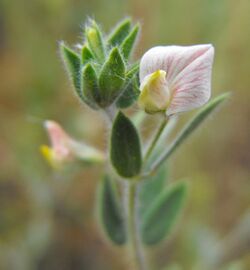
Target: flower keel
[155,94]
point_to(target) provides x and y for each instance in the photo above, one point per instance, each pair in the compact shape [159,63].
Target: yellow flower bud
[154,96]
[95,40]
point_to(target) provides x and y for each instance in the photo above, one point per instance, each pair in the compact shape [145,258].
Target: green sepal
[129,42]
[150,188]
[95,41]
[133,70]
[110,212]
[129,95]
[131,89]
[72,62]
[86,55]
[112,78]
[119,33]
[125,149]
[162,215]
[89,86]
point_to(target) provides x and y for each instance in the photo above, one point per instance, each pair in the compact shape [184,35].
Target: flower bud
[100,71]
[95,40]
[154,96]
[65,150]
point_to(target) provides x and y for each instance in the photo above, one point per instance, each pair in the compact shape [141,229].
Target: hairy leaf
[112,78]
[86,55]
[110,212]
[125,150]
[151,188]
[89,86]
[73,65]
[119,33]
[128,44]
[161,216]
[131,88]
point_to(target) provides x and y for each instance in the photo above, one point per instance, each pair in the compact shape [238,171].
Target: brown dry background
[47,220]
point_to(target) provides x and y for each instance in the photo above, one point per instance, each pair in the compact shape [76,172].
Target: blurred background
[47,219]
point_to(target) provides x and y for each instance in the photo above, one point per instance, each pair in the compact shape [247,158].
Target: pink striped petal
[188,73]
[191,88]
[60,141]
[65,149]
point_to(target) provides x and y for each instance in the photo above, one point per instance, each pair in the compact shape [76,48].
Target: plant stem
[136,247]
[110,113]
[187,131]
[156,137]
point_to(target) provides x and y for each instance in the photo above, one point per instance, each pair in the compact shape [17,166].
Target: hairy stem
[156,137]
[135,245]
[110,114]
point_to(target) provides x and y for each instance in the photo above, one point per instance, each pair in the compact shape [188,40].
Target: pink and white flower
[64,149]
[175,79]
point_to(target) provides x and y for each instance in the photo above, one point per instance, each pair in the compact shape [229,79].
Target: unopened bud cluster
[100,71]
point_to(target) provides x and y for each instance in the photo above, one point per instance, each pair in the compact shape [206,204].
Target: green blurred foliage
[46,218]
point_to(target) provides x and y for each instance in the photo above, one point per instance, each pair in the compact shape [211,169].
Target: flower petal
[65,149]
[59,139]
[188,71]
[191,88]
[172,59]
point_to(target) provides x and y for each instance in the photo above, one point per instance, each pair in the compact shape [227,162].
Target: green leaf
[95,40]
[110,212]
[86,55]
[129,95]
[190,128]
[89,86]
[119,33]
[131,88]
[151,188]
[72,62]
[125,150]
[128,44]
[112,78]
[162,215]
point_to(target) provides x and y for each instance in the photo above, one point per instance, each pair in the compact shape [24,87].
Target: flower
[64,149]
[175,79]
